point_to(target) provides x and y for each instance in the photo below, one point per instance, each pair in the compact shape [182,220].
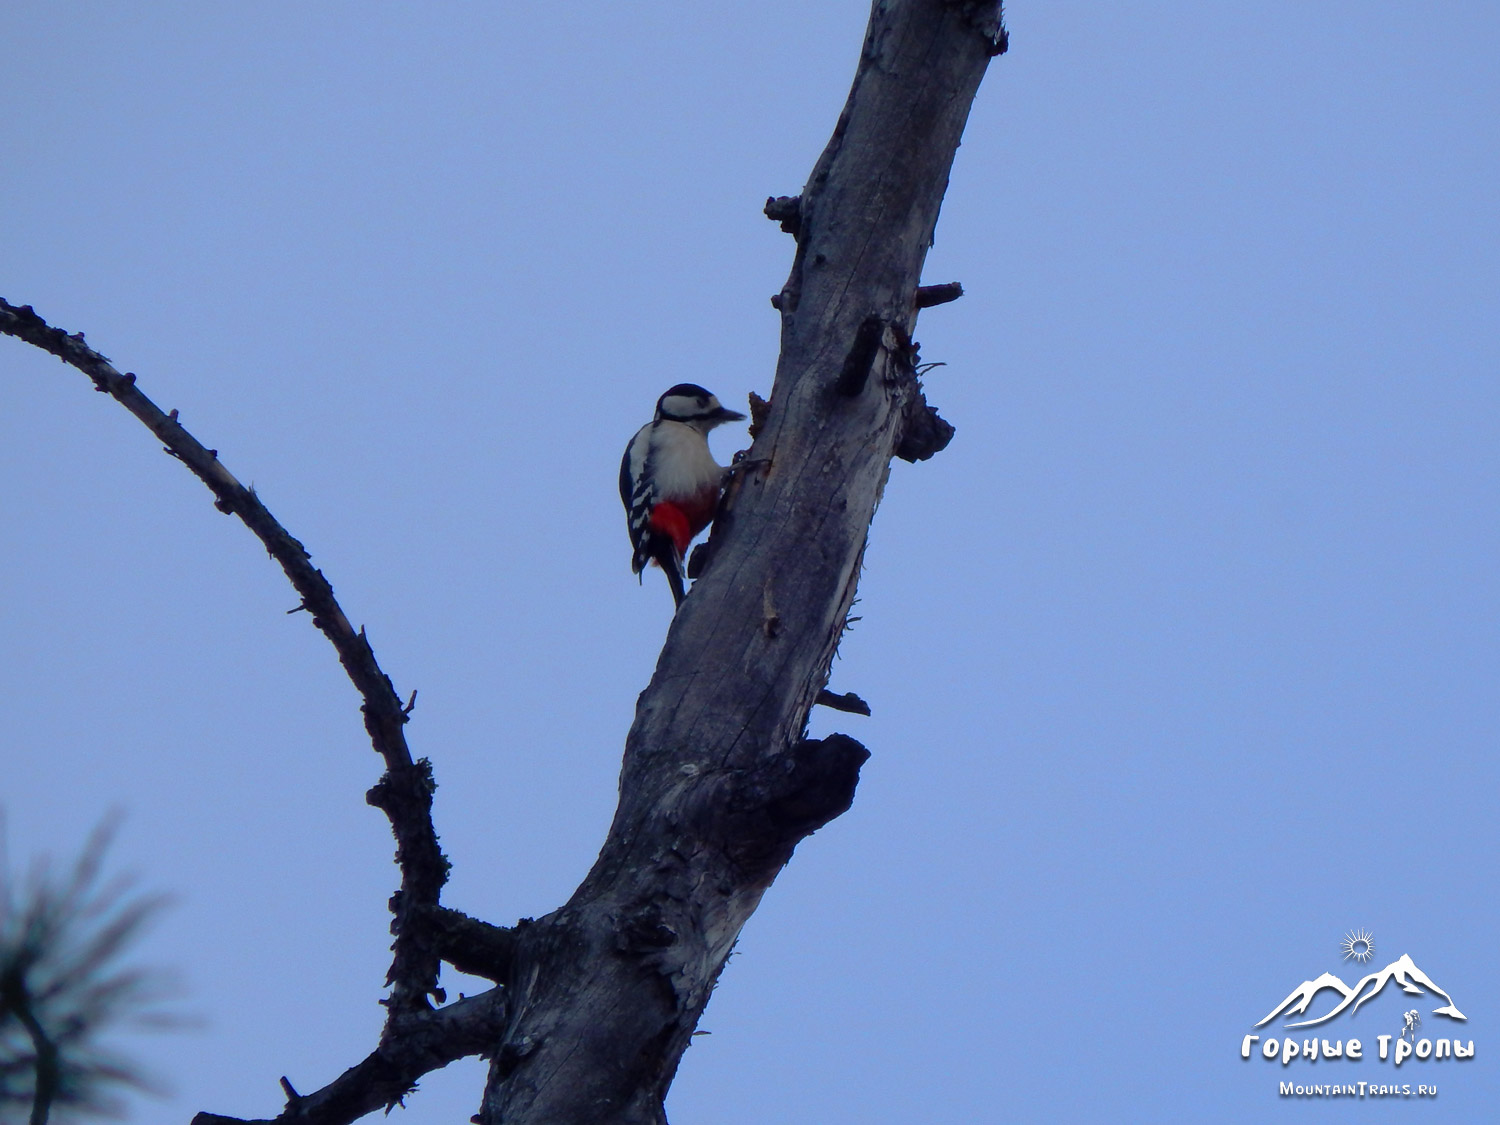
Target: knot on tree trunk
[646,929]
[923,432]
[759,815]
[861,356]
[786,210]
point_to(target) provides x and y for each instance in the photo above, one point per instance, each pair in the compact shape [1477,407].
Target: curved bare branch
[415,1044]
[405,791]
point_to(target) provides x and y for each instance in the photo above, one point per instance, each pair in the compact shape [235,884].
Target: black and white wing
[637,493]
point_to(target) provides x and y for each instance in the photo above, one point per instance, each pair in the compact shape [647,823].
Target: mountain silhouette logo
[1402,971]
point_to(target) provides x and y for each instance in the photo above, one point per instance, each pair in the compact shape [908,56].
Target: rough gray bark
[596,1002]
[718,783]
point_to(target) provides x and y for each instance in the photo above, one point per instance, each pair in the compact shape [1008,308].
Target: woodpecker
[670,482]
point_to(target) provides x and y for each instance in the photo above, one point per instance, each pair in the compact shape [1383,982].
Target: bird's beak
[724,414]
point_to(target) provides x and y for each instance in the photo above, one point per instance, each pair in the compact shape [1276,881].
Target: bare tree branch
[414,1040]
[719,783]
[404,794]
[414,1044]
[471,946]
[930,295]
[848,702]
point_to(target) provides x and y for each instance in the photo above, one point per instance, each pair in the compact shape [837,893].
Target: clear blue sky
[1182,657]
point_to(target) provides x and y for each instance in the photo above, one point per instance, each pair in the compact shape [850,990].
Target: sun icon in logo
[1358,944]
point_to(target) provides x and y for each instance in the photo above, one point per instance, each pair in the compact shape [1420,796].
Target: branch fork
[595,1003]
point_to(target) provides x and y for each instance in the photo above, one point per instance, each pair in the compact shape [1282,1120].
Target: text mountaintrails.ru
[1356,1090]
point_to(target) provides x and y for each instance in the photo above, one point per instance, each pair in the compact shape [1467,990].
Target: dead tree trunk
[718,783]
[596,1002]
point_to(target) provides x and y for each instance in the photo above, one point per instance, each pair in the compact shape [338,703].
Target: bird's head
[693,406]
